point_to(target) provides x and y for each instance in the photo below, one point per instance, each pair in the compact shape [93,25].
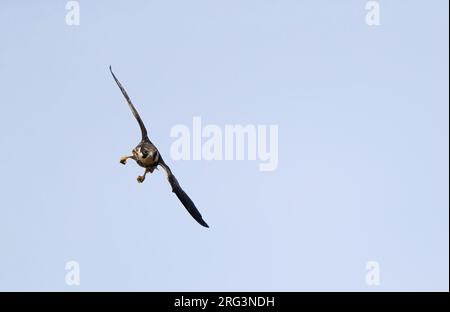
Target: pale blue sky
[363,133]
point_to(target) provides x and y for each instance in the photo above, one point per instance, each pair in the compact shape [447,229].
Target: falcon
[147,156]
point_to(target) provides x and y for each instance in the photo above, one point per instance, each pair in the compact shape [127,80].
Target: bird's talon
[140,179]
[123,160]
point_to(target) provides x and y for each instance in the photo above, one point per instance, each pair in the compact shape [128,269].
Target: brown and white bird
[147,156]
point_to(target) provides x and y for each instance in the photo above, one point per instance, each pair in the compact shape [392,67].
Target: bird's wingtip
[203,223]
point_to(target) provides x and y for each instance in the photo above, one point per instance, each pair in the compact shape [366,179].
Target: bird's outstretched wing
[182,196]
[133,109]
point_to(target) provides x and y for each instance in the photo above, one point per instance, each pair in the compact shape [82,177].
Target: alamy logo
[72,276]
[372,273]
[73,13]
[234,142]
[373,13]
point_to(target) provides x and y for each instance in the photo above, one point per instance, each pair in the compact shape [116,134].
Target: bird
[147,156]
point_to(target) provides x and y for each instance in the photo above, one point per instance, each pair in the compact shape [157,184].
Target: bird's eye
[144,154]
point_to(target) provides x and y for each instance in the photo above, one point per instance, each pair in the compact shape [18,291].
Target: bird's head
[144,153]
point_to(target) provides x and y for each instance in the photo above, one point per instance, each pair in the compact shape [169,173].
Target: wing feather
[130,104]
[182,196]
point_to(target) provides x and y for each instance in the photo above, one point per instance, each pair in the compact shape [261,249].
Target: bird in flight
[147,156]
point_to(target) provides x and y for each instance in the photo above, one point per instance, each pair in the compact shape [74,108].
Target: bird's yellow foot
[123,160]
[140,179]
